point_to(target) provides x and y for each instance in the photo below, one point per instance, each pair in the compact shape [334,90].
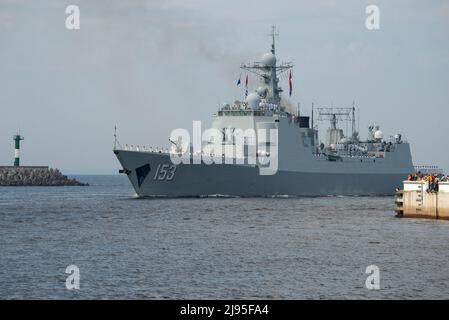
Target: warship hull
[198,180]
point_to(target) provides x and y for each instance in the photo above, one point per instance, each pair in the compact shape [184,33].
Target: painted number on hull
[165,172]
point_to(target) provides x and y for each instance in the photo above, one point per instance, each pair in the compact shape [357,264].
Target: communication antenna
[334,115]
[115,137]
[358,120]
[312,116]
[116,142]
[353,117]
[273,34]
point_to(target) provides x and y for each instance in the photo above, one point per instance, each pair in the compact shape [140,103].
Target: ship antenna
[353,118]
[358,120]
[273,35]
[115,137]
[312,115]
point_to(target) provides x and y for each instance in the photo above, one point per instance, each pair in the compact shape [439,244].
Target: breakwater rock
[35,176]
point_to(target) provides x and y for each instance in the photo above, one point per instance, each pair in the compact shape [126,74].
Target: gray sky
[152,66]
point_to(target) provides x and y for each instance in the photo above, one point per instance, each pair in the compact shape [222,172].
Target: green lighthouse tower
[17,138]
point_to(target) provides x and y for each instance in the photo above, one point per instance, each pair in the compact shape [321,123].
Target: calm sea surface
[275,248]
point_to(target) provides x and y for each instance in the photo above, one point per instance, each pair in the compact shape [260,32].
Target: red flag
[290,82]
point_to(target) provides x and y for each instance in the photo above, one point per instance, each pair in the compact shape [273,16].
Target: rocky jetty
[35,176]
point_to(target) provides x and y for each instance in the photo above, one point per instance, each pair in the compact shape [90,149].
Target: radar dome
[269,59]
[378,135]
[262,91]
[253,100]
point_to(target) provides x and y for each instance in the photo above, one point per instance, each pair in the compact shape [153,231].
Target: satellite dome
[253,100]
[262,91]
[269,59]
[378,135]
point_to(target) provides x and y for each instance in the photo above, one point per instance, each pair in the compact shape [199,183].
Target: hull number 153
[164,172]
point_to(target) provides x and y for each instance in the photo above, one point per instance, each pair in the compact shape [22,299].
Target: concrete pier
[35,176]
[415,201]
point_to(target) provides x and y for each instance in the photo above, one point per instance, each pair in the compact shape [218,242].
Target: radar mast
[268,72]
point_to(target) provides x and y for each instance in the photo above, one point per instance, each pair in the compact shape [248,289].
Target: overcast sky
[152,66]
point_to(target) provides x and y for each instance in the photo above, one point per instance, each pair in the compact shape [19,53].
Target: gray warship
[341,164]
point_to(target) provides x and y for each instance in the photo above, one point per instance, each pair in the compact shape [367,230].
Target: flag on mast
[246,86]
[290,82]
[238,81]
